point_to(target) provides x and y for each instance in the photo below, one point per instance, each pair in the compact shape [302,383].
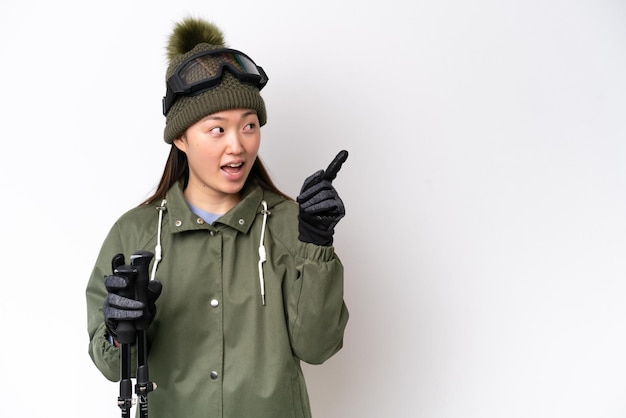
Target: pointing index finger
[335,165]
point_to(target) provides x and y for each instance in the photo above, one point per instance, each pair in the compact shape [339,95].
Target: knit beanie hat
[189,37]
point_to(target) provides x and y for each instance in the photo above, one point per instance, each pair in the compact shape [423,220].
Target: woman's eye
[217,130]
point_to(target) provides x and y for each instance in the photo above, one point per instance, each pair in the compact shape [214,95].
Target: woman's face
[221,149]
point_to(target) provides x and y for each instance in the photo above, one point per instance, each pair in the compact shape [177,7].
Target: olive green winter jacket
[215,349]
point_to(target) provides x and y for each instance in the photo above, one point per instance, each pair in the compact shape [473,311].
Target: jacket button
[215,303]
[212,233]
[178,223]
[199,221]
[213,375]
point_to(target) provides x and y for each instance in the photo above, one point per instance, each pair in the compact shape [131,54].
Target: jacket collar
[181,218]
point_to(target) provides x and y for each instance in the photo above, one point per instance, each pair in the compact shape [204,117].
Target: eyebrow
[244,115]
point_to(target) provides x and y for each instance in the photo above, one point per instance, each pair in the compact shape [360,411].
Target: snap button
[212,233]
[215,303]
[241,222]
[199,221]
[214,375]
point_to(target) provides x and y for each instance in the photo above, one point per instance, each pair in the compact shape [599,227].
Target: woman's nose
[234,145]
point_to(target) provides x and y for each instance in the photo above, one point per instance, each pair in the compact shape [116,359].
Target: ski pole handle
[125,330]
[140,261]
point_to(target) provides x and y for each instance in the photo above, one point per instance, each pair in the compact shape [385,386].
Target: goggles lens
[204,71]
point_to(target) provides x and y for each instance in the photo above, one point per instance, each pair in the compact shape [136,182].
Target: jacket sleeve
[316,309]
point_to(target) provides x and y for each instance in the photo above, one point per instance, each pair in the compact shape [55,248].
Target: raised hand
[321,208]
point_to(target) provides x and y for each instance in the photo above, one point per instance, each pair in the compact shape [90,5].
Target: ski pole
[125,336]
[140,262]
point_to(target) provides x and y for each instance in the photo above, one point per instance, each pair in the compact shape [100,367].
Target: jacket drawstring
[262,253]
[157,248]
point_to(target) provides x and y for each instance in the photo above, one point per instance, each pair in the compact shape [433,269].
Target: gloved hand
[320,205]
[121,309]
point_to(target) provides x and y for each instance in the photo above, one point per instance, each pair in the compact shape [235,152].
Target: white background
[484,241]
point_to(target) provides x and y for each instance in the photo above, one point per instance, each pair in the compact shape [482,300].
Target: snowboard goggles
[204,70]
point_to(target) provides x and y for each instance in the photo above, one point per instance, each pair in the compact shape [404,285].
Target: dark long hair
[177,168]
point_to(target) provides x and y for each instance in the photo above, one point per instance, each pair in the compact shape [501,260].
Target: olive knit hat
[190,37]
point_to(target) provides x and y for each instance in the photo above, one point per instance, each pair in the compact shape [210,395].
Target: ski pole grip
[140,261]
[125,330]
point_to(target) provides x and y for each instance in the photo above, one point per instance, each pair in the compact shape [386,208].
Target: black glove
[121,309]
[320,205]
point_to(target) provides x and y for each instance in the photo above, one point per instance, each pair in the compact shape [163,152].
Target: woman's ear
[180,143]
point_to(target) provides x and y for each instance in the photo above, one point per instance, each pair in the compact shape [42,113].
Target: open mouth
[232,168]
